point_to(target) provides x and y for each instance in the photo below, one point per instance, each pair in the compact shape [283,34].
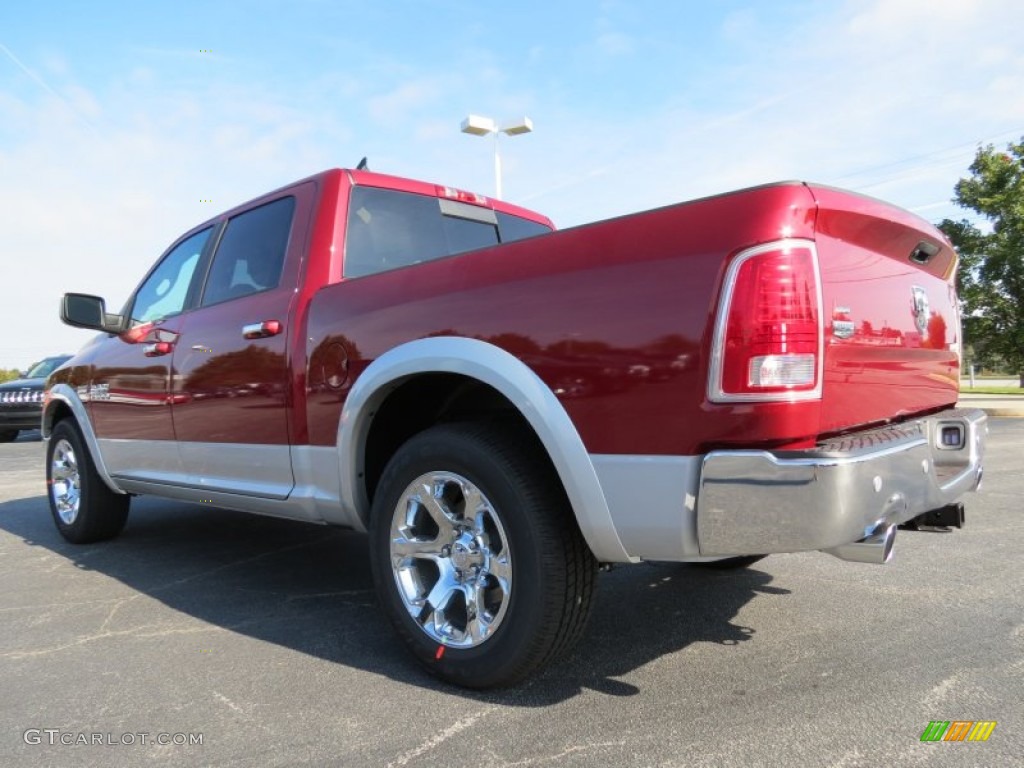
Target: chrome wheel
[443,543]
[451,560]
[65,482]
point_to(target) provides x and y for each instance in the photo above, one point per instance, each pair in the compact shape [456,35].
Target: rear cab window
[388,229]
[518,228]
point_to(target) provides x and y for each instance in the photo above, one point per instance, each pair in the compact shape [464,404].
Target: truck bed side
[613,316]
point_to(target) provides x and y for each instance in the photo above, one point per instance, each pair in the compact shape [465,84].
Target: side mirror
[84,311]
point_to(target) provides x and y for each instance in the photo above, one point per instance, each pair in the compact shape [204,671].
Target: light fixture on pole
[476,125]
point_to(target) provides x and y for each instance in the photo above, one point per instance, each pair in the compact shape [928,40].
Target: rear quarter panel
[613,316]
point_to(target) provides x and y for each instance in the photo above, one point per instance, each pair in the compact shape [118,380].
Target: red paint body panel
[138,386]
[616,317]
[230,389]
[613,316]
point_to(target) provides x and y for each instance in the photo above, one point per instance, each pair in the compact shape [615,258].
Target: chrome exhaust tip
[875,549]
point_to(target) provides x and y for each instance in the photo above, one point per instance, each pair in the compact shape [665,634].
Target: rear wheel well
[428,399]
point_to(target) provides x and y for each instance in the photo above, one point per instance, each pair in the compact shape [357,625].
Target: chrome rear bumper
[843,491]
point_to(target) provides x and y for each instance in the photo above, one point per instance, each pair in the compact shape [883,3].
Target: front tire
[83,507]
[476,555]
[8,435]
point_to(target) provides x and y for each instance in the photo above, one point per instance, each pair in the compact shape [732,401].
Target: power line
[926,155]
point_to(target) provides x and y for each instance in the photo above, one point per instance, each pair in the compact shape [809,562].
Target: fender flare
[64,393]
[511,377]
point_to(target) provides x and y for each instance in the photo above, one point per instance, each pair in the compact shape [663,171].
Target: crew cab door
[128,394]
[230,389]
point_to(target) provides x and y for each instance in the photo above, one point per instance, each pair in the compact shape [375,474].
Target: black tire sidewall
[512,646]
[101,512]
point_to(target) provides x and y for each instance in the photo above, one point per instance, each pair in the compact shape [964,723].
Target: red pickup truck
[504,408]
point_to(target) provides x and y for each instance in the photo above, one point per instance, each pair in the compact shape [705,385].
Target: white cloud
[400,102]
[866,85]
[614,44]
[90,210]
[888,96]
[740,26]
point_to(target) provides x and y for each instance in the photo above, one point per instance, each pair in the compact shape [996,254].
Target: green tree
[9,374]
[991,276]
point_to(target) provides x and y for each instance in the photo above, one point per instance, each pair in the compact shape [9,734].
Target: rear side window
[251,253]
[389,229]
[165,291]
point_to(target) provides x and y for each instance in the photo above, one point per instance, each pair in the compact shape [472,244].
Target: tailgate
[892,327]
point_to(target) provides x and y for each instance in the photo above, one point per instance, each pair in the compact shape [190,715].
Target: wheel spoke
[65,482]
[499,568]
[402,547]
[474,507]
[434,615]
[479,625]
[441,593]
[480,524]
[453,571]
[433,507]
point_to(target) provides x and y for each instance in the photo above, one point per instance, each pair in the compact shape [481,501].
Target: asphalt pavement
[262,639]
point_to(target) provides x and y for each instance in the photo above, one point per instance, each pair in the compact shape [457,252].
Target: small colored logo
[958,730]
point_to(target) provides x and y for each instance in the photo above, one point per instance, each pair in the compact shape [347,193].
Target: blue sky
[116,123]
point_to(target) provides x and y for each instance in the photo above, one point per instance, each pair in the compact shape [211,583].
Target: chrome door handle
[158,349]
[262,330]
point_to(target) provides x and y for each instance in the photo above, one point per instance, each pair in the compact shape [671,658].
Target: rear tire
[476,555]
[8,435]
[83,507]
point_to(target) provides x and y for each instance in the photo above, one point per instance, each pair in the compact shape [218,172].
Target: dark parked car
[21,400]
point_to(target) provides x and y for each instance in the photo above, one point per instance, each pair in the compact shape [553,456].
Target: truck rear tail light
[768,334]
[781,370]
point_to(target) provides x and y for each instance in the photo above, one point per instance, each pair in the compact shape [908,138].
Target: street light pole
[475,125]
[497,168]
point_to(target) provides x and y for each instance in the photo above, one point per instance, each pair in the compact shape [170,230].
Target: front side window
[165,291]
[251,253]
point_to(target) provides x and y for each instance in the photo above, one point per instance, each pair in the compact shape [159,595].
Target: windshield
[45,367]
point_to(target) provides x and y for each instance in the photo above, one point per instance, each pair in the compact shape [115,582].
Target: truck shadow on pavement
[308,588]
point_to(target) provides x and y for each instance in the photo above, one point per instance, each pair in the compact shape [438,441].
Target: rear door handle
[262,330]
[158,349]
